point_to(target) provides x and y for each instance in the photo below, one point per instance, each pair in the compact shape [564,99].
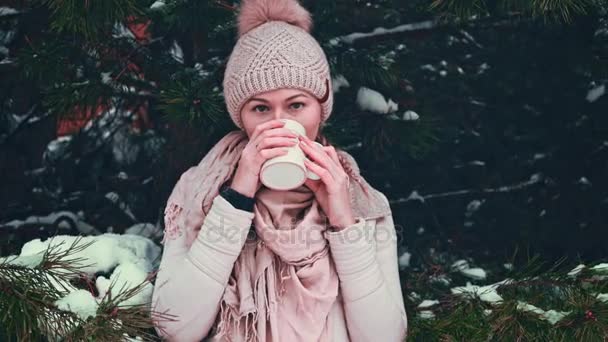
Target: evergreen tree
[483,122]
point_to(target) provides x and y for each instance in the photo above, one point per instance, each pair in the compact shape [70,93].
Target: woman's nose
[279,114]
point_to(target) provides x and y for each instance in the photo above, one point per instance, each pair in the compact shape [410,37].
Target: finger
[264,126]
[274,132]
[312,184]
[273,152]
[318,155]
[333,154]
[325,175]
[268,142]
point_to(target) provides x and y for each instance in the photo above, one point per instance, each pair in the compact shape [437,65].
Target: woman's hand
[267,141]
[332,190]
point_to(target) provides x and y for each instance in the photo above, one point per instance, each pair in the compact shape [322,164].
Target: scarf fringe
[223,324]
[228,324]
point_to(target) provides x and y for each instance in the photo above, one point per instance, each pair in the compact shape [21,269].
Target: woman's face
[285,103]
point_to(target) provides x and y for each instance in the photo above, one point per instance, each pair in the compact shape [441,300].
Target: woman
[242,262]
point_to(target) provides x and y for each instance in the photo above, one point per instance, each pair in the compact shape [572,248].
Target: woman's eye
[298,103]
[259,106]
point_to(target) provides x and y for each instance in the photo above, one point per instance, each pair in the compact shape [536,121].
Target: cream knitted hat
[275,50]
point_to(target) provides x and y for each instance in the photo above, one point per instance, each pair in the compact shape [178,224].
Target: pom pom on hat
[254,13]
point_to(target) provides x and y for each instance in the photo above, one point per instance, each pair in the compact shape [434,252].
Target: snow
[129,257]
[482,68]
[125,152]
[176,52]
[157,4]
[460,265]
[583,180]
[121,31]
[334,42]
[106,252]
[339,82]
[350,38]
[7,37]
[147,230]
[61,219]
[386,60]
[29,261]
[477,163]
[414,195]
[478,103]
[473,206]
[414,296]
[126,276]
[106,78]
[576,270]
[54,145]
[488,294]
[373,101]
[441,279]
[602,268]
[428,303]
[596,93]
[201,70]
[470,38]
[426,314]
[485,293]
[474,273]
[404,260]
[428,67]
[551,316]
[7,11]
[410,115]
[80,302]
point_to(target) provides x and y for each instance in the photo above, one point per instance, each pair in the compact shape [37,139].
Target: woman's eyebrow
[266,101]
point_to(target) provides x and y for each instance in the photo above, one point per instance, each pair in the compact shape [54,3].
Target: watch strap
[237,199]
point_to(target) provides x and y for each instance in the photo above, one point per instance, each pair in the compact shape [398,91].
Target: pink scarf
[290,244]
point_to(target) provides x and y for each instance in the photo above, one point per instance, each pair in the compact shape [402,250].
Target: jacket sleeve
[191,281]
[365,256]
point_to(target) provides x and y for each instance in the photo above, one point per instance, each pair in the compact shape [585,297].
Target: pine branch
[90,19]
[534,179]
[31,285]
[535,303]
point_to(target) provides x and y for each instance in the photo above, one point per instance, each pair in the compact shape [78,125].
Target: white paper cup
[288,171]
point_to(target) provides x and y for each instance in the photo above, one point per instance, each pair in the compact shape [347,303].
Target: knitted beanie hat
[275,50]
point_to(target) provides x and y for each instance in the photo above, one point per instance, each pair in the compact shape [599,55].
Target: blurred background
[484,122]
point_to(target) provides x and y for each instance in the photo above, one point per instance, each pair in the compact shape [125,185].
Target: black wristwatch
[237,199]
